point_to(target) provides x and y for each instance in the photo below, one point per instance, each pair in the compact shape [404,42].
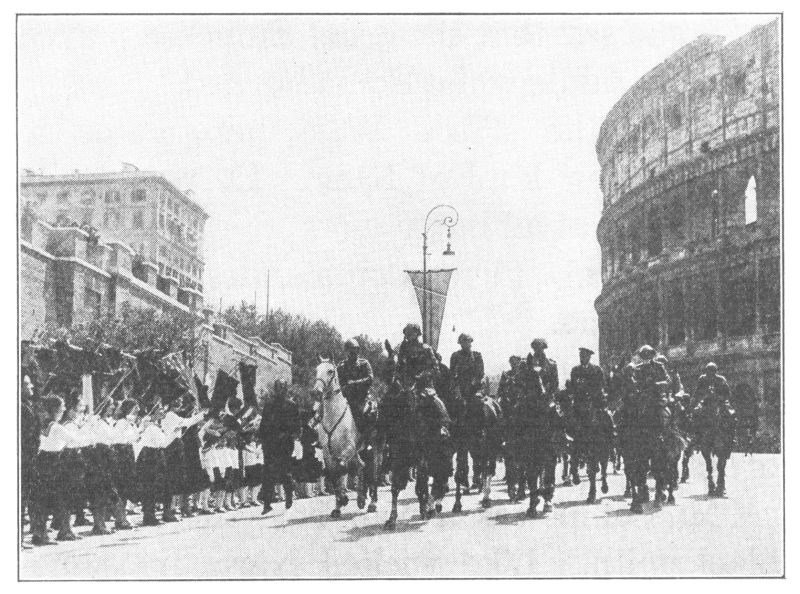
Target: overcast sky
[318,144]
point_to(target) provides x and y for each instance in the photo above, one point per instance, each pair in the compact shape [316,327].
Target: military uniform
[280,426]
[466,372]
[548,372]
[355,377]
[416,361]
[714,388]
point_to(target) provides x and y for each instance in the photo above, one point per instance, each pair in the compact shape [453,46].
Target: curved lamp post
[448,216]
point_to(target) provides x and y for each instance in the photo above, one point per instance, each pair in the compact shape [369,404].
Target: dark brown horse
[715,427]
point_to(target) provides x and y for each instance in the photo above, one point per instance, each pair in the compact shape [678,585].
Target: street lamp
[447,216]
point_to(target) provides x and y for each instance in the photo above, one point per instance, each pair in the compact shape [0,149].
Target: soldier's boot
[720,492]
[645,493]
[712,488]
[636,507]
[547,508]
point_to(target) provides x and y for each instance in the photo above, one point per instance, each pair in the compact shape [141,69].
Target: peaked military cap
[585,350]
[464,337]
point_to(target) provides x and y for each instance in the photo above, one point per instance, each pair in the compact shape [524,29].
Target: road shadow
[705,497]
[514,518]
[356,533]
[322,518]
[649,510]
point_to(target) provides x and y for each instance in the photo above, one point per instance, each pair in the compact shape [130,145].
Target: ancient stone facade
[690,229]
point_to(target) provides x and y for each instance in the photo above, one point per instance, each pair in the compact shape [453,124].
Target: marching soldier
[466,372]
[355,378]
[280,427]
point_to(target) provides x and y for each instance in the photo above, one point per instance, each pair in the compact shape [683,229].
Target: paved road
[741,535]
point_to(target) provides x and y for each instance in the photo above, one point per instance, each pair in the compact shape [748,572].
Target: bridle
[327,391]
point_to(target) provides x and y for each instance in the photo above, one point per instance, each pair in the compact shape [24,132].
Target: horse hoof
[636,508]
[576,480]
[390,524]
[344,500]
[567,482]
[604,488]
[438,507]
[361,502]
[684,479]
[337,513]
[531,513]
[486,503]
[627,493]
[591,499]
[372,507]
[671,499]
[457,508]
[657,503]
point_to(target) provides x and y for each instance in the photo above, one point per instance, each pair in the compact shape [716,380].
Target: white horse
[338,436]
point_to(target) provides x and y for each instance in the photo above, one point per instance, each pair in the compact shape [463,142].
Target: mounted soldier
[715,424]
[594,427]
[507,398]
[355,379]
[466,373]
[416,423]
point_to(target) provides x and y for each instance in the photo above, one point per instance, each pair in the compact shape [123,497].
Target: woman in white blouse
[47,492]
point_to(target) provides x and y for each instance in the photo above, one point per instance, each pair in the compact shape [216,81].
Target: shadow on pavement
[356,533]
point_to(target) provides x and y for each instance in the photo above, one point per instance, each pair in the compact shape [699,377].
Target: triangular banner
[431,289]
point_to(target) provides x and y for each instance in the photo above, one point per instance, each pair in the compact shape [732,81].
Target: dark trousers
[277,471]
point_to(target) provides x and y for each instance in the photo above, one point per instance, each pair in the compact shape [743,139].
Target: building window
[704,314]
[769,294]
[138,220]
[651,314]
[162,224]
[87,197]
[93,301]
[714,217]
[654,240]
[87,218]
[62,198]
[42,197]
[674,114]
[160,269]
[675,317]
[738,301]
[162,251]
[139,195]
[112,197]
[676,217]
[750,202]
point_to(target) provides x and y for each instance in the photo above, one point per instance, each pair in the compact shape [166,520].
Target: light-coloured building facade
[163,225]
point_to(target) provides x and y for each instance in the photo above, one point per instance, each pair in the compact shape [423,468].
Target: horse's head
[326,382]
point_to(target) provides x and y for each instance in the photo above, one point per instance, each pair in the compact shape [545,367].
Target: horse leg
[488,474]
[687,455]
[340,488]
[712,488]
[565,469]
[604,473]
[575,456]
[548,481]
[371,473]
[591,469]
[722,461]
[361,482]
[392,521]
[636,496]
[533,478]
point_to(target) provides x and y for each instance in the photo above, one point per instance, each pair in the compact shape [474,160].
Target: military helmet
[661,359]
[412,328]
[711,367]
[351,344]
[539,343]
[647,352]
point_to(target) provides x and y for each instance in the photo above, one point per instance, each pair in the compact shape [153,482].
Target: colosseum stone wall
[690,230]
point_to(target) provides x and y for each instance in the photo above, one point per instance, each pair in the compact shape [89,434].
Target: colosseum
[691,222]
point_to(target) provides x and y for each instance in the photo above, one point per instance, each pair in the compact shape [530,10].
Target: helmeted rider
[713,388]
[355,379]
